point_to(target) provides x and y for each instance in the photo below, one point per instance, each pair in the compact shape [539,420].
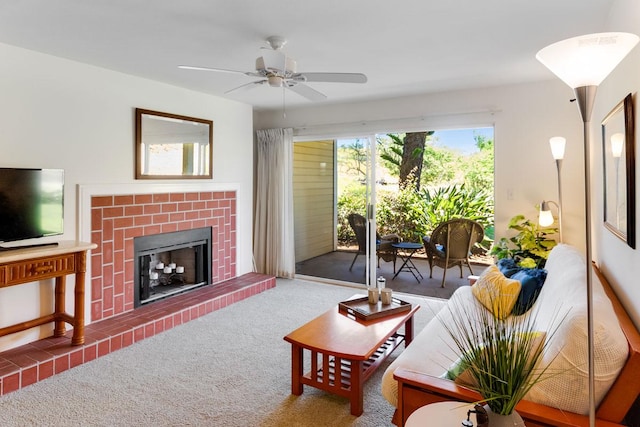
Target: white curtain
[273,243]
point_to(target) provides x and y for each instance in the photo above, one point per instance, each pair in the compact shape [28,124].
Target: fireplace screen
[171,263]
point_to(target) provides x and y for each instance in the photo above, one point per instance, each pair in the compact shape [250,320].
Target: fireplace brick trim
[116,219]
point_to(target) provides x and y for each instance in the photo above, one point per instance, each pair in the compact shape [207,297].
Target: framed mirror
[618,148]
[169,146]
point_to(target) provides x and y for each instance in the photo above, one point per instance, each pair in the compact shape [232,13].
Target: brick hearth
[33,362]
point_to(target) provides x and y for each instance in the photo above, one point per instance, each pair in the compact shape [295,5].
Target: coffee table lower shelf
[348,380]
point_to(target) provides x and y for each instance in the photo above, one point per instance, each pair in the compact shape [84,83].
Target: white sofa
[564,292]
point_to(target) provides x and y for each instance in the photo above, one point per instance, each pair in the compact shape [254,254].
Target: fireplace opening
[167,264]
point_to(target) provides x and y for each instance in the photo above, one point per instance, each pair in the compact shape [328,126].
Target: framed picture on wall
[618,148]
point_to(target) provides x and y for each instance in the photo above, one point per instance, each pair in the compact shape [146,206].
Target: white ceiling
[403,46]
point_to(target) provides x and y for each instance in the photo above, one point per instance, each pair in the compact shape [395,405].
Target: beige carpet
[229,368]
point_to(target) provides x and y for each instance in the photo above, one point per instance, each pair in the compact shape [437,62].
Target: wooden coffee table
[344,351]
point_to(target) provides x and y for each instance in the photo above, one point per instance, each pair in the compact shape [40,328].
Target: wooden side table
[32,264]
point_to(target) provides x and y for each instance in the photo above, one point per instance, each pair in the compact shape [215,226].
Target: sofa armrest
[416,389]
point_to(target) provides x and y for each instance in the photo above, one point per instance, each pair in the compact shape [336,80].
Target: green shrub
[413,215]
[352,199]
[459,201]
[402,213]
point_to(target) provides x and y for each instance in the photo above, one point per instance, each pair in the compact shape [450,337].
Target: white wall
[620,263]
[56,113]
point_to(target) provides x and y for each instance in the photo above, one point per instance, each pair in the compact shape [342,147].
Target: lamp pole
[585,97]
[558,166]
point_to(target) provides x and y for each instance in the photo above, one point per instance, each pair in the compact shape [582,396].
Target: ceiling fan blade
[220,70]
[308,92]
[333,77]
[246,86]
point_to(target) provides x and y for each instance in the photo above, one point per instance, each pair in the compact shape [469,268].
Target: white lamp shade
[617,142]
[545,219]
[557,144]
[587,60]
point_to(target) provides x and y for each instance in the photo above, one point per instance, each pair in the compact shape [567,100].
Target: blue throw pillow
[508,266]
[531,280]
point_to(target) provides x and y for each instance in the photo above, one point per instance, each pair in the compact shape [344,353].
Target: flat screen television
[31,203]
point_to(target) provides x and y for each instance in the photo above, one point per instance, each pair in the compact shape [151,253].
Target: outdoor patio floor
[334,266]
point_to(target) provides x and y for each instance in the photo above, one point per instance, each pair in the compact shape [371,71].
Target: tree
[355,158]
[480,166]
[390,147]
[412,157]
[439,166]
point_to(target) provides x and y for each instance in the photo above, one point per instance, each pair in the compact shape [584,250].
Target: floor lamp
[583,62]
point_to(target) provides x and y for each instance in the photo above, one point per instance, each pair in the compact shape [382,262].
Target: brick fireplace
[117,219]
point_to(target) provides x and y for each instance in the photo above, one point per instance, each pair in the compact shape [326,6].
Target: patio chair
[450,244]
[384,249]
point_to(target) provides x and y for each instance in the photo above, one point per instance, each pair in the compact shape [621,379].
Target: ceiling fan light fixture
[275,81]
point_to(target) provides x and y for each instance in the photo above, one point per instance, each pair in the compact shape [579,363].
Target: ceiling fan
[278,70]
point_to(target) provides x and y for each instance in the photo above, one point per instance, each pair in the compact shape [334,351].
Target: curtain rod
[392,122]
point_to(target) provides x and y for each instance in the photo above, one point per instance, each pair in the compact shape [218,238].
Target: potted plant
[530,247]
[500,358]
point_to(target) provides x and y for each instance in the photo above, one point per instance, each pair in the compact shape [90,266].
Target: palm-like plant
[501,354]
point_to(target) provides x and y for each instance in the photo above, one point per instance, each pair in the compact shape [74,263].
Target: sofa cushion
[563,301]
[496,292]
[508,266]
[432,350]
[531,281]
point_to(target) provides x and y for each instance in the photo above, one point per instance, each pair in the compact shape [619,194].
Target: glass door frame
[371,255]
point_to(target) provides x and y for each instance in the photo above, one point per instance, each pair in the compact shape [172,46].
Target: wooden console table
[32,264]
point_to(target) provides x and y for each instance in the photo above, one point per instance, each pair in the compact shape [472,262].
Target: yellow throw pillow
[496,292]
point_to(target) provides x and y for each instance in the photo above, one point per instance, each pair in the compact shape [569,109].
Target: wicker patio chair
[384,249]
[450,244]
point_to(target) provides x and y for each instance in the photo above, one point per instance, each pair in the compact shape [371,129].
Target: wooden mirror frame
[619,172]
[192,156]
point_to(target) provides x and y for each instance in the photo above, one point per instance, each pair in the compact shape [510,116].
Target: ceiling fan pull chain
[284,111]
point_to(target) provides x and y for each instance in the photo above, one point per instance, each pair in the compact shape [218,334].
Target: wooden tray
[361,309]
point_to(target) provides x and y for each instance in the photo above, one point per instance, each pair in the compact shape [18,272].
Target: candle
[386,296]
[160,265]
[168,269]
[153,275]
[179,269]
[172,265]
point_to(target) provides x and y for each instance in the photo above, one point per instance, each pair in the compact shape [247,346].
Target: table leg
[404,259]
[296,370]
[356,398]
[59,303]
[408,331]
[78,307]
[408,265]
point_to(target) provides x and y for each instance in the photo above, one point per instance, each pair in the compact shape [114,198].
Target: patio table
[405,251]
